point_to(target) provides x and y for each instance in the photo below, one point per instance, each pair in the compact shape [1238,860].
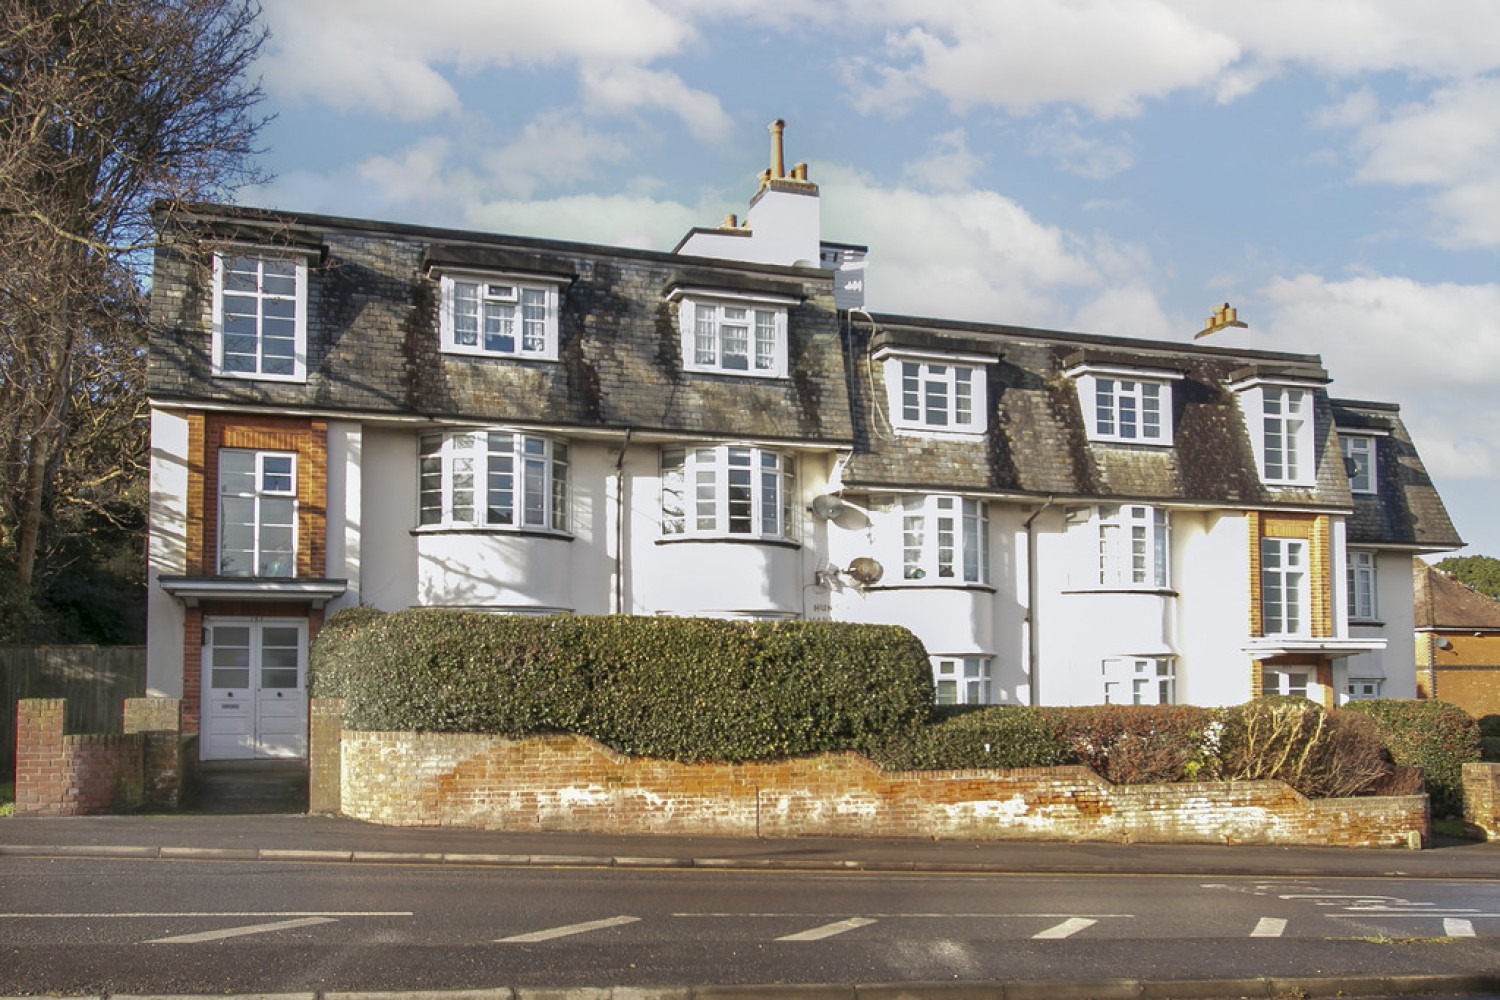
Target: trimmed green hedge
[1433,735]
[675,688]
[1001,736]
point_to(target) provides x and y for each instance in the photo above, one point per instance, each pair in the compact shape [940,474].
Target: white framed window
[1362,601]
[731,491]
[492,479]
[1294,683]
[944,539]
[1359,461]
[1286,433]
[1363,688]
[257,513]
[1127,406]
[962,680]
[927,395]
[260,317]
[1134,546]
[499,316]
[1283,586]
[734,335]
[1140,680]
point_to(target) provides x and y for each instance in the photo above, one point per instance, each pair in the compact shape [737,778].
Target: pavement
[328,839]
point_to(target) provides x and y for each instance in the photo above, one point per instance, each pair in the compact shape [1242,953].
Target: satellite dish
[865,571]
[827,507]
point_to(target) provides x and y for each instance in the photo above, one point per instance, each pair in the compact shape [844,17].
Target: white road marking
[243,913]
[229,932]
[923,916]
[1269,927]
[566,931]
[1065,929]
[829,930]
[1455,927]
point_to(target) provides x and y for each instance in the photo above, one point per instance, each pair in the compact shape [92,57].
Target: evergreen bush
[1433,735]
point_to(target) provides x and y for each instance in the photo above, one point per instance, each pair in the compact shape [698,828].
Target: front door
[255,688]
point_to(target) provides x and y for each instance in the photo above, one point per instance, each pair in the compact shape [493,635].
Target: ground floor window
[1285,682]
[962,680]
[1360,688]
[1140,680]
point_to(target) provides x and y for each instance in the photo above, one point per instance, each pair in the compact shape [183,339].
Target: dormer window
[1132,406]
[733,334]
[935,393]
[1359,461]
[1279,416]
[260,315]
[499,316]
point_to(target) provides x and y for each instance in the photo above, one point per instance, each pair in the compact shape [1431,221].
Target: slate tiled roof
[1444,603]
[1406,509]
[1037,443]
[373,343]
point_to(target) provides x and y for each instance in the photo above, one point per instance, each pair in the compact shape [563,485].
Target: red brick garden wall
[572,783]
[75,775]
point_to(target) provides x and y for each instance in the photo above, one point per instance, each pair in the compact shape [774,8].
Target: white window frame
[238,332]
[962,680]
[1281,417]
[1126,405]
[711,336]
[500,298]
[1140,680]
[273,481]
[1363,573]
[1363,688]
[735,491]
[1285,587]
[1134,547]
[494,479]
[1360,461]
[936,396]
[1286,681]
[944,539]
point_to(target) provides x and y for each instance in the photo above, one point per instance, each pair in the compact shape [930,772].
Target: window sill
[938,433]
[779,543]
[942,583]
[299,379]
[1368,622]
[730,373]
[1132,443]
[1151,591]
[488,529]
[465,352]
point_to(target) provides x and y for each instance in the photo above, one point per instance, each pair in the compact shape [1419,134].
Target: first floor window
[1133,549]
[1361,688]
[1283,586]
[944,539]
[1362,606]
[1284,682]
[495,478]
[735,490]
[1140,680]
[257,513]
[962,680]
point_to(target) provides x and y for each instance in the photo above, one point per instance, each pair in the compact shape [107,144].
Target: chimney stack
[778,159]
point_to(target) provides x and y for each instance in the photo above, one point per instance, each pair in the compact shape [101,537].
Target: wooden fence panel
[96,680]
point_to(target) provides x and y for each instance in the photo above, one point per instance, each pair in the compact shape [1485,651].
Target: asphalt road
[72,925]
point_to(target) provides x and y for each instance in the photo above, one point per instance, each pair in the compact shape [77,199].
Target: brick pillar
[192,671]
[159,721]
[1482,799]
[325,736]
[40,778]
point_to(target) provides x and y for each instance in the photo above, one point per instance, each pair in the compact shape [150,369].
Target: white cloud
[554,149]
[621,89]
[949,166]
[1065,141]
[622,220]
[1433,348]
[383,56]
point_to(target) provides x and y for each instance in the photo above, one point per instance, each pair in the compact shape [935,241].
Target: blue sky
[1332,169]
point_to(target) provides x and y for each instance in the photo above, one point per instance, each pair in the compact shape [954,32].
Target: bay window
[1140,680]
[944,539]
[1133,546]
[727,490]
[496,479]
[961,680]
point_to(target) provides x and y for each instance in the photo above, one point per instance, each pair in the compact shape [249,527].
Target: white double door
[254,688]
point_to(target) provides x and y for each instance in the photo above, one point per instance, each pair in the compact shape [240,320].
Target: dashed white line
[567,930]
[229,932]
[1269,927]
[1065,929]
[829,930]
[1457,927]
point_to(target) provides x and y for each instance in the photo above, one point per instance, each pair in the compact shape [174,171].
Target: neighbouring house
[1458,642]
[352,412]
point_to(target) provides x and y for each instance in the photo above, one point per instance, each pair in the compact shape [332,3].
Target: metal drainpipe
[1032,645]
[620,524]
